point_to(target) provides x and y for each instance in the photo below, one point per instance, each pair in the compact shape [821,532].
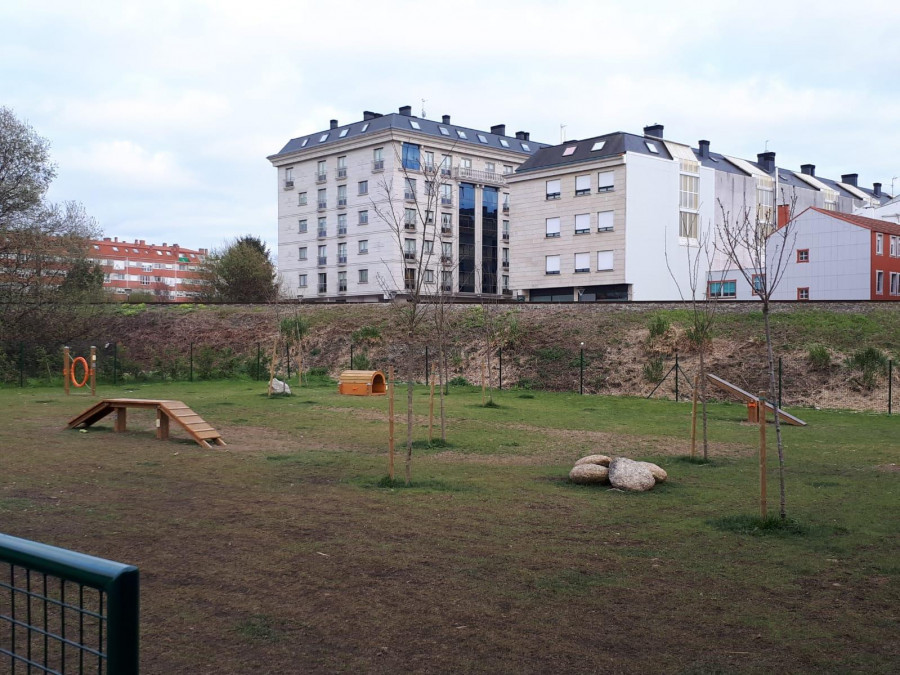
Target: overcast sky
[161,114]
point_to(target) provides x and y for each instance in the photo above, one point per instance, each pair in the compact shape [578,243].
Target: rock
[279,387]
[589,474]
[602,460]
[659,474]
[626,474]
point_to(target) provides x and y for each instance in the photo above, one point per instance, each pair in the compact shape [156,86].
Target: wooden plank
[197,428]
[192,419]
[750,398]
[207,434]
[180,412]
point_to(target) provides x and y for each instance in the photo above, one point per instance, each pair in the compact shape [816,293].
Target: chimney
[446,119]
[850,179]
[406,111]
[164,244]
[808,169]
[106,239]
[767,161]
[654,130]
[499,129]
[876,189]
[116,239]
[704,149]
[369,115]
[333,124]
[143,243]
[521,136]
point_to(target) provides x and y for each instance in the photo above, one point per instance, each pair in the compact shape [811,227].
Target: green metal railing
[66,612]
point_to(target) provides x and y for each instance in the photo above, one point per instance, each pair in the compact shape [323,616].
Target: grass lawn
[282,554]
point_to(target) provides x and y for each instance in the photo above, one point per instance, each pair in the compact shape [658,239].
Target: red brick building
[171,273]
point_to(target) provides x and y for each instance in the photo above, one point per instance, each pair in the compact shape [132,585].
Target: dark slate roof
[616,143]
[401,123]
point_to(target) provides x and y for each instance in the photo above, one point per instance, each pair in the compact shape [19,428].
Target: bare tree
[699,259]
[760,251]
[442,300]
[413,223]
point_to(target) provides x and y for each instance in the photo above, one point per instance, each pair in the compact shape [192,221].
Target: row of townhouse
[169,272]
[363,208]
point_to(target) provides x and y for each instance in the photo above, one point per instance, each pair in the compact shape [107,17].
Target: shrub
[659,325]
[361,362]
[872,362]
[653,370]
[458,382]
[366,333]
[818,357]
[551,353]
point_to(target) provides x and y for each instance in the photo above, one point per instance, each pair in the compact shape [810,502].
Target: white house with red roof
[838,256]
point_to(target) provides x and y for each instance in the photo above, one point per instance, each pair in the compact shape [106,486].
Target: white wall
[651,228]
[839,266]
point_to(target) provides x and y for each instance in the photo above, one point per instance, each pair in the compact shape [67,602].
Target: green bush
[819,358]
[366,333]
[459,382]
[659,325]
[653,370]
[361,362]
[551,353]
[872,362]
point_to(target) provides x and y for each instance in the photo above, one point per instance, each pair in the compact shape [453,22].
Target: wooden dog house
[362,383]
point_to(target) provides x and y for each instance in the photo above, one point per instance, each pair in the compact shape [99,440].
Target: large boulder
[602,460]
[589,474]
[279,387]
[659,474]
[626,474]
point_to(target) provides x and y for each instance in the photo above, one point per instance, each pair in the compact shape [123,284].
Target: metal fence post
[500,358]
[676,375]
[192,362]
[890,384]
[257,361]
[351,355]
[21,364]
[287,356]
[426,364]
[115,361]
[779,382]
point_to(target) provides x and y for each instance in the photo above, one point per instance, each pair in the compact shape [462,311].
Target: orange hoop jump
[86,371]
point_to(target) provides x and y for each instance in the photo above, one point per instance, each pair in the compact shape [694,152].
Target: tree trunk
[410,370]
[703,401]
[771,359]
[441,376]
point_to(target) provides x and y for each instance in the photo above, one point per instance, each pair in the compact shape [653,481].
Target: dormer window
[652,147]
[569,151]
[598,146]
[414,124]
[461,134]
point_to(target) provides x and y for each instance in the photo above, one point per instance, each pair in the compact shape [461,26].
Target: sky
[161,114]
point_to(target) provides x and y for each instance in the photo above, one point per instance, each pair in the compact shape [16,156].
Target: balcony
[323,260]
[289,184]
[507,291]
[377,165]
[506,264]
[409,195]
[445,172]
[506,209]
[485,177]
[322,206]
[323,234]
[409,227]
[409,256]
[506,236]
[320,177]
[446,260]
[323,289]
[447,288]
[342,231]
[446,231]
[553,195]
[446,200]
[342,203]
[342,287]
[342,260]
[342,172]
[429,168]
[364,220]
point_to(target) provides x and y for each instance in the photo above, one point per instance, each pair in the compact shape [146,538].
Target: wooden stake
[272,365]
[93,371]
[431,408]
[482,383]
[391,422]
[761,412]
[694,417]
[67,364]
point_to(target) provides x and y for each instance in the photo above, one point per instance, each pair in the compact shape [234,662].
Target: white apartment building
[367,209]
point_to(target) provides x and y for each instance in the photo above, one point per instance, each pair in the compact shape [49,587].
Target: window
[461,134]
[505,257]
[363,217]
[465,162]
[363,246]
[320,171]
[342,167]
[504,142]
[569,151]
[414,124]
[429,188]
[445,165]
[652,147]
[446,251]
[446,281]
[605,221]
[765,200]
[688,225]
[505,282]
[363,186]
[305,141]
[895,283]
[604,261]
[446,194]
[879,282]
[323,228]
[446,223]
[893,249]
[490,167]
[582,262]
[689,199]
[525,147]
[145,280]
[409,278]
[482,138]
[409,219]
[879,244]
[831,199]
[722,289]
[342,195]
[323,199]
[342,282]
[323,282]
[505,230]
[598,146]
[323,255]
[605,181]
[505,202]
[803,293]
[411,156]
[301,281]
[554,188]
[444,131]
[552,227]
[409,249]
[409,188]
[364,276]
[429,276]
[507,169]
[803,255]
[428,246]
[343,132]
[378,159]
[552,264]
[583,223]
[759,283]
[301,199]
[301,253]
[342,223]
[582,185]
[429,161]
[323,138]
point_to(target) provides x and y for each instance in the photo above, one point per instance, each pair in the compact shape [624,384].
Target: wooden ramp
[749,398]
[166,411]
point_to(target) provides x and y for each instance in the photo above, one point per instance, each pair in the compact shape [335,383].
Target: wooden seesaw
[196,427]
[753,402]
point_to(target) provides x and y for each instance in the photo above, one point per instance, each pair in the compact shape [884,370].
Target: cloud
[124,164]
